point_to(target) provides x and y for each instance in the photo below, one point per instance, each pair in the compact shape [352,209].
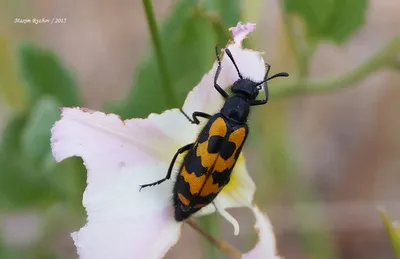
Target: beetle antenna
[228,52]
[280,74]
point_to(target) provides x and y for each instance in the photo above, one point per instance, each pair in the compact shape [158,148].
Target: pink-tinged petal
[266,246]
[241,30]
[106,143]
[124,223]
[120,156]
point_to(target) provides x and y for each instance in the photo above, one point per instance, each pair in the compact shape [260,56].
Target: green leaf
[188,37]
[333,20]
[10,83]
[45,74]
[393,232]
[22,183]
[25,139]
[35,140]
[9,253]
[25,183]
[347,17]
[11,135]
[315,13]
[29,176]
[227,10]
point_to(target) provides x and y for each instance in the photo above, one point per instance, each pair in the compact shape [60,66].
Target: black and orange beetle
[209,161]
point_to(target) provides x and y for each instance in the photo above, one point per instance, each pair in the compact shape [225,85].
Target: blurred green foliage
[30,178]
[10,82]
[44,74]
[36,134]
[334,20]
[188,37]
[393,230]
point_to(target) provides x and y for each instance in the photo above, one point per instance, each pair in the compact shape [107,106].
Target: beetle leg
[180,151]
[195,116]
[216,86]
[258,102]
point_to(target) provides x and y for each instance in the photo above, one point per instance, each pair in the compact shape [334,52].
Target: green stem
[381,59]
[395,64]
[171,101]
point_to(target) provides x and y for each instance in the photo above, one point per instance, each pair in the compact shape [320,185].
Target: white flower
[266,246]
[121,155]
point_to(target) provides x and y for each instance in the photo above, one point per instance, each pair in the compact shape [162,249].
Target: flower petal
[124,223]
[106,143]
[250,63]
[221,210]
[266,246]
[239,192]
[120,156]
[175,125]
[241,30]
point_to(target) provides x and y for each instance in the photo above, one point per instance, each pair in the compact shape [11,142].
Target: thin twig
[221,244]
[379,60]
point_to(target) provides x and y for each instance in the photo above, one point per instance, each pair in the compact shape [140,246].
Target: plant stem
[221,244]
[170,99]
[381,59]
[395,64]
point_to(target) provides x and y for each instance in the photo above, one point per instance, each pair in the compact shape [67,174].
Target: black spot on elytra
[215,144]
[227,150]
[222,178]
[193,164]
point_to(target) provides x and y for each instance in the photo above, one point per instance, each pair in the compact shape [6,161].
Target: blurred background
[325,152]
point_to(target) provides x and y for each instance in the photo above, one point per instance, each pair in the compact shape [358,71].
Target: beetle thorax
[236,108]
